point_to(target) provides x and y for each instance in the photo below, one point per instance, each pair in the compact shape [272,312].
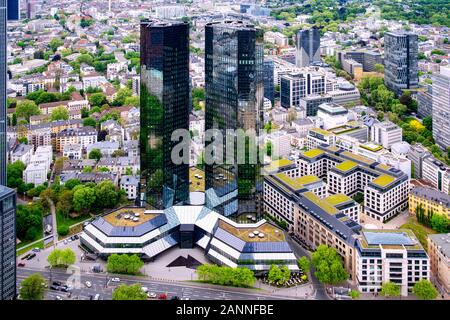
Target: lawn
[419,230]
[22,247]
[63,221]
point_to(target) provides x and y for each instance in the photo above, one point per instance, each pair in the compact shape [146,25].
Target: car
[185,298]
[97,297]
[151,295]
[58,298]
[65,241]
[55,287]
[175,298]
[31,256]
[25,257]
[115,279]
[21,264]
[36,250]
[162,296]
[64,288]
[69,240]
[88,284]
[145,289]
[76,237]
[57,283]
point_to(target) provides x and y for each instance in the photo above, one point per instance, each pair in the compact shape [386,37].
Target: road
[180,289]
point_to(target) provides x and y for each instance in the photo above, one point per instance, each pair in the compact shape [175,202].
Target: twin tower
[234,100]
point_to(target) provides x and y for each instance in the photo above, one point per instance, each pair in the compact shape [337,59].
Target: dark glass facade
[308,47]
[234,100]
[7,243]
[164,109]
[269,87]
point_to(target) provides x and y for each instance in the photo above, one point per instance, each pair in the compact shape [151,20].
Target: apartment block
[439,252]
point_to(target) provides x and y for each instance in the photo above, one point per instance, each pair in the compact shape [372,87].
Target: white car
[58,298]
[97,297]
[151,295]
[88,284]
[115,280]
[145,289]
[65,241]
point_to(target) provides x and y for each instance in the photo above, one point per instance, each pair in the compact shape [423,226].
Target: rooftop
[313,153]
[124,217]
[358,157]
[337,199]
[321,131]
[275,164]
[271,233]
[371,147]
[432,195]
[346,165]
[390,239]
[443,241]
[324,205]
[383,180]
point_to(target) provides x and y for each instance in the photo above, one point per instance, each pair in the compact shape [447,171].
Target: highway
[181,289]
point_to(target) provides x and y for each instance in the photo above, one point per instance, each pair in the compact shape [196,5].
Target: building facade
[439,252]
[307,47]
[7,243]
[400,59]
[164,109]
[269,85]
[441,107]
[234,90]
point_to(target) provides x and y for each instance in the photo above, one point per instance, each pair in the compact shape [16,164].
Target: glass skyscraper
[164,109]
[307,47]
[234,100]
[269,86]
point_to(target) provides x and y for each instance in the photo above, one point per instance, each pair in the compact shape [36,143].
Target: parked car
[115,279]
[76,237]
[25,257]
[36,250]
[162,296]
[97,297]
[57,283]
[175,298]
[58,298]
[55,287]
[145,289]
[64,288]
[31,256]
[21,264]
[88,284]
[151,295]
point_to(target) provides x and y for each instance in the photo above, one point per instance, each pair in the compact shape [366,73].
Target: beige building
[439,252]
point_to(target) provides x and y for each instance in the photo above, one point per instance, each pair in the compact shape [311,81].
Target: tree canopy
[131,292]
[124,263]
[425,290]
[328,265]
[33,287]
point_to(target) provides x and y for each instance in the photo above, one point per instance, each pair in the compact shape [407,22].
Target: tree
[425,290]
[26,109]
[55,43]
[121,95]
[379,68]
[223,275]
[304,264]
[275,275]
[131,292]
[132,101]
[33,287]
[354,294]
[440,223]
[328,265]
[106,195]
[60,113]
[65,202]
[72,183]
[380,115]
[83,198]
[89,122]
[29,221]
[97,99]
[428,122]
[390,289]
[118,153]
[95,154]
[61,258]
[14,173]
[124,263]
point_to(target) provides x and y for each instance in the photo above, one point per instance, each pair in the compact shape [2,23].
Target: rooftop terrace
[270,232]
[126,217]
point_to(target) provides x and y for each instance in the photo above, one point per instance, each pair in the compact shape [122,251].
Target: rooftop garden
[383,180]
[313,153]
[346,165]
[271,233]
[337,199]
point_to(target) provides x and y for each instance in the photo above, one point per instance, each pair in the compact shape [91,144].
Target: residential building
[107,148]
[22,152]
[439,252]
[386,133]
[85,136]
[35,173]
[73,151]
[120,165]
[130,183]
[436,172]
[441,107]
[431,200]
[164,108]
[417,153]
[308,47]
[390,256]
[233,65]
[400,60]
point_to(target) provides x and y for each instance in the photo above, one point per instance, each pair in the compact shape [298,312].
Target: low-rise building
[430,200]
[130,184]
[85,136]
[386,133]
[73,151]
[439,252]
[106,147]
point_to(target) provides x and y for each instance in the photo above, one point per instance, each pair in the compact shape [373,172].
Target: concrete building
[441,107]
[8,242]
[85,136]
[386,133]
[417,153]
[107,148]
[296,85]
[311,103]
[439,252]
[332,115]
[425,102]
[436,172]
[130,183]
[390,256]
[400,60]
[367,59]
[429,199]
[73,151]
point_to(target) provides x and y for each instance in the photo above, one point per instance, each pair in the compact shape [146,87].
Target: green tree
[55,43]
[132,101]
[304,264]
[32,287]
[223,275]
[354,294]
[425,290]
[390,289]
[440,223]
[83,198]
[61,258]
[428,122]
[106,195]
[328,265]
[121,96]
[379,68]
[275,275]
[124,263]
[95,154]
[89,122]
[97,99]
[26,109]
[131,292]
[65,202]
[60,113]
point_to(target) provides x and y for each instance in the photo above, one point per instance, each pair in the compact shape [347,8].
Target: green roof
[383,180]
[321,131]
[297,183]
[358,157]
[313,153]
[346,165]
[274,165]
[308,179]
[337,199]
[371,147]
[324,205]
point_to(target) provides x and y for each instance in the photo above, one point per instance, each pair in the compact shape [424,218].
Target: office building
[390,256]
[269,85]
[234,89]
[417,153]
[297,85]
[430,200]
[400,60]
[311,103]
[164,109]
[425,102]
[439,252]
[307,47]
[332,115]
[7,243]
[441,107]
[436,173]
[386,133]
[367,59]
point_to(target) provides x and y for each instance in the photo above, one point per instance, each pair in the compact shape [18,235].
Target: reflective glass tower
[164,109]
[308,47]
[234,100]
